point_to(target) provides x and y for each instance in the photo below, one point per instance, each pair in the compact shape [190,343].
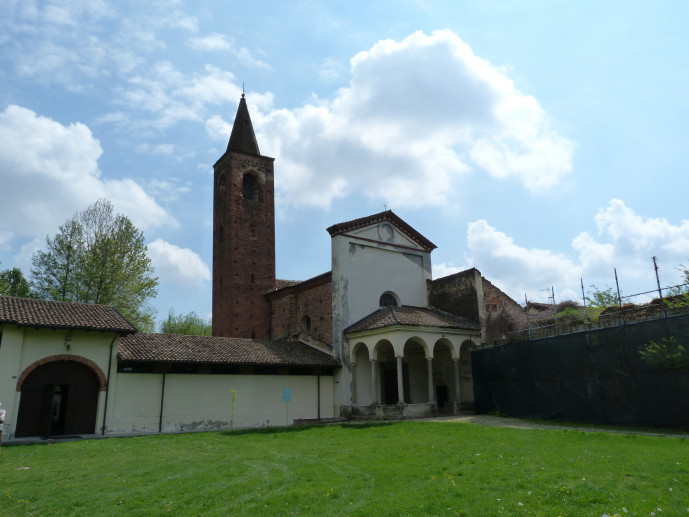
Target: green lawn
[408,468]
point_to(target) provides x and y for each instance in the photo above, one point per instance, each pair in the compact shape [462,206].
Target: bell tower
[243,235]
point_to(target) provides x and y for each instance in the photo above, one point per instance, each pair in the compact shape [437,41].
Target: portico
[416,365]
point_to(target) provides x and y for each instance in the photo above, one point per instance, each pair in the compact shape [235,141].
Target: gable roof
[408,316]
[30,312]
[175,348]
[388,215]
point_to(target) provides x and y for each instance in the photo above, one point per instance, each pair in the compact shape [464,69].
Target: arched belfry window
[251,189]
[387,299]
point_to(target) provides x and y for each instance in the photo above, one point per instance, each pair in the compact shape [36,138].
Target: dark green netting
[596,376]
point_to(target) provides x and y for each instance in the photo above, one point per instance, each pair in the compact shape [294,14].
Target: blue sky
[540,142]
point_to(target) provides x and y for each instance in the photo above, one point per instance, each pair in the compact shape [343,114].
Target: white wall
[365,264]
[21,347]
[196,401]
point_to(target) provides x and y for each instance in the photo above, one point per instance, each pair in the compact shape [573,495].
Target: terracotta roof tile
[411,317]
[220,350]
[280,284]
[29,312]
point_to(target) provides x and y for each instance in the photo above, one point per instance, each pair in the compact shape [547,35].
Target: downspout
[162,400]
[107,386]
[318,391]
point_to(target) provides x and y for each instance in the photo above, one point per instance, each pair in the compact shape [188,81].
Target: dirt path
[517,423]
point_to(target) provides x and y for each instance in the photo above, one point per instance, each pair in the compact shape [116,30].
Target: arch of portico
[412,367]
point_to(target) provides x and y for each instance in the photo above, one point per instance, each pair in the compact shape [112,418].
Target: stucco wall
[363,268]
[197,402]
[22,347]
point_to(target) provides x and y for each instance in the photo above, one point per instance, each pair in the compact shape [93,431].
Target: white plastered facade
[143,403]
[367,263]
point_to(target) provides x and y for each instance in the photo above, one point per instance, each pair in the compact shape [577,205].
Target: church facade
[374,337]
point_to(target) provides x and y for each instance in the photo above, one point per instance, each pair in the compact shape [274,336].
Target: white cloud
[625,242]
[514,268]
[416,116]
[218,42]
[444,269]
[628,241]
[180,266]
[168,96]
[211,42]
[73,43]
[50,171]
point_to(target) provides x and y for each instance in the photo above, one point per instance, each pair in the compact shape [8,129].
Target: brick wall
[308,304]
[243,246]
[503,314]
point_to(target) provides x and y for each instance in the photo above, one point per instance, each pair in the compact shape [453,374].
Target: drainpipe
[107,386]
[162,400]
[318,391]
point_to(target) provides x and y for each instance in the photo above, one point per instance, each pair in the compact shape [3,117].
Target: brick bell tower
[243,235]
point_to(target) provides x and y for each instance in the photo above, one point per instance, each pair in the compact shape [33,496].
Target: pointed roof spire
[243,138]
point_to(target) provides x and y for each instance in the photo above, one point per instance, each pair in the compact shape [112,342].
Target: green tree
[666,354]
[98,256]
[13,283]
[189,324]
[601,298]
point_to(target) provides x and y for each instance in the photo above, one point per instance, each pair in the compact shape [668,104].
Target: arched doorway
[444,378]
[466,376]
[58,398]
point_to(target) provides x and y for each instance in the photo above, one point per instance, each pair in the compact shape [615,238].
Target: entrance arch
[58,397]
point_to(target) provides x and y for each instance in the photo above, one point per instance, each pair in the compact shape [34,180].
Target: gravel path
[517,423]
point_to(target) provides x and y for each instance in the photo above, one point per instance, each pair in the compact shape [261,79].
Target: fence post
[586,311]
[663,312]
[619,298]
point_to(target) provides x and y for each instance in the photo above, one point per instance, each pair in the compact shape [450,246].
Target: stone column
[354,384]
[431,395]
[374,381]
[458,394]
[400,382]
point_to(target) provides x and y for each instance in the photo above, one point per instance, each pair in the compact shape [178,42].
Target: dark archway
[58,398]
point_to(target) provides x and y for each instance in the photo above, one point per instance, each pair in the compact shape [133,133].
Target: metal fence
[565,318]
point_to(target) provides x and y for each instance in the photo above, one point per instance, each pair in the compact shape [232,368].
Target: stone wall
[460,294]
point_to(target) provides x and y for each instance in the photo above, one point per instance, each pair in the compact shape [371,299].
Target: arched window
[250,187]
[306,322]
[388,299]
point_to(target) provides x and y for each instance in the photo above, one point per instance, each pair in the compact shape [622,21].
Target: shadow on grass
[292,429]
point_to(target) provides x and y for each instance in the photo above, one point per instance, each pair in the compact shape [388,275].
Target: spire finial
[242,89]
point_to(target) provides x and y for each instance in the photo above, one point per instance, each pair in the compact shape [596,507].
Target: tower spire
[243,138]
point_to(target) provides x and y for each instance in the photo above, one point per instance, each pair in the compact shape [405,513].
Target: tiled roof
[29,312]
[388,215]
[286,287]
[219,350]
[316,343]
[411,317]
[280,284]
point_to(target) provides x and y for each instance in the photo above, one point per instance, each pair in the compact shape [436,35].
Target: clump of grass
[409,468]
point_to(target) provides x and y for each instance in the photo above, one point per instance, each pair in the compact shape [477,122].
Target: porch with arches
[397,372]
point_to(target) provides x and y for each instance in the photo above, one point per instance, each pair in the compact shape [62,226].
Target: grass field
[408,468]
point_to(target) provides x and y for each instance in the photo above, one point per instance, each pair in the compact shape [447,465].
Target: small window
[388,300]
[250,188]
[306,322]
